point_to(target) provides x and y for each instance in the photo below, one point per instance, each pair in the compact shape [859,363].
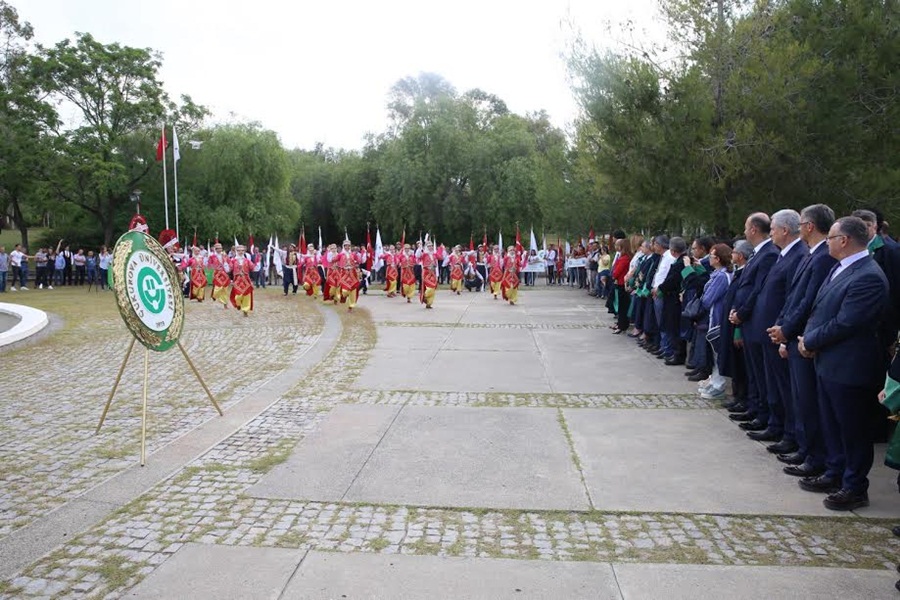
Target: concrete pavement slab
[883,499]
[681,461]
[323,466]
[485,457]
[485,371]
[498,340]
[613,365]
[410,339]
[377,576]
[221,572]
[708,582]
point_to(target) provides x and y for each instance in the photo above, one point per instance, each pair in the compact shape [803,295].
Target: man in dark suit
[842,335]
[756,230]
[809,458]
[670,289]
[785,235]
[731,361]
[886,254]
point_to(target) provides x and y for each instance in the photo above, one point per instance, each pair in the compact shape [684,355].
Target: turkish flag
[161,145]
[368,250]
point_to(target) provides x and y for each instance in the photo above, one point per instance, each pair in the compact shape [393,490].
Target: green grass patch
[379,544]
[116,571]
[276,456]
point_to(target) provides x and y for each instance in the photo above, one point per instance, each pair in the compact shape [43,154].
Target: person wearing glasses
[841,335]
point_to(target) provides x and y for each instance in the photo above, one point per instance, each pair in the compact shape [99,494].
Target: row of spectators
[59,266]
[800,315]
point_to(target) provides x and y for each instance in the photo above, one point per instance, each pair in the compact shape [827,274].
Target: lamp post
[136,198]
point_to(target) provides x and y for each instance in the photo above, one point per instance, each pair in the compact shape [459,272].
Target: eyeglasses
[831,237]
[805,222]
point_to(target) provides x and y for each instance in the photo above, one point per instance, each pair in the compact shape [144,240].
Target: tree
[122,103]
[237,184]
[24,121]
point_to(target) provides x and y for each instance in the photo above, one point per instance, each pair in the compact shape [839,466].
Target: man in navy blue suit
[842,335]
[809,459]
[756,230]
[785,235]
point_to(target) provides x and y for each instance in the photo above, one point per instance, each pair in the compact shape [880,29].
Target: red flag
[302,242]
[250,243]
[519,248]
[403,239]
[471,242]
[591,234]
[484,243]
[368,249]
[161,145]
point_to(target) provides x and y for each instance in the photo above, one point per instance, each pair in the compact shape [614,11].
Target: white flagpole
[165,179]
[176,155]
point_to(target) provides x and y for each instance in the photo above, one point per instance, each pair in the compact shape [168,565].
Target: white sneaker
[40,287]
[704,384]
[49,287]
[13,289]
[24,289]
[712,393]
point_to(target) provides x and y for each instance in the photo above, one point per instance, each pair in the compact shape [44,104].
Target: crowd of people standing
[800,314]
[58,266]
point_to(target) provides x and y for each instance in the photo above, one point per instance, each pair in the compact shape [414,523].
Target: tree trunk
[19,221]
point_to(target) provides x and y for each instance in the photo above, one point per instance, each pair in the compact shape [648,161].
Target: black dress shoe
[803,470]
[700,376]
[662,356]
[674,361]
[744,417]
[689,366]
[691,372]
[766,435]
[820,484]
[754,425]
[846,500]
[896,530]
[736,407]
[794,458]
[782,447]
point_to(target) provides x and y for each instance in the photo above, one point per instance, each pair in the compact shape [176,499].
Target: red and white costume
[240,267]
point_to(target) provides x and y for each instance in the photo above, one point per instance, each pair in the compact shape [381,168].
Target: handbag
[693,310]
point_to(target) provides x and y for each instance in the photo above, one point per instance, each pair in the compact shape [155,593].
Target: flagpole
[165,179]
[176,154]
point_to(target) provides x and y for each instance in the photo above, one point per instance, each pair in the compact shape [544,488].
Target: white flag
[568,248]
[321,249]
[379,251]
[176,150]
[500,242]
[533,244]
[276,257]
[544,247]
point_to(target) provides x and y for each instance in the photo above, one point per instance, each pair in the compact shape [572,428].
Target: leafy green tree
[25,119]
[237,184]
[122,105]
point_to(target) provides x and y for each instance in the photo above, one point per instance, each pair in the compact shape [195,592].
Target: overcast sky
[320,71]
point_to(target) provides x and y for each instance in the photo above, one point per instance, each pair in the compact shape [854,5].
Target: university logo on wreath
[147,291]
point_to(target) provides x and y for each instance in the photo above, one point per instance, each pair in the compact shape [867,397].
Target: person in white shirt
[18,260]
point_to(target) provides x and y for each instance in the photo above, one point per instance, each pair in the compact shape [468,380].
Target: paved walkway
[476,450]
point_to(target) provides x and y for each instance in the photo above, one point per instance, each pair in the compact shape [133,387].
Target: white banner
[537,267]
[573,263]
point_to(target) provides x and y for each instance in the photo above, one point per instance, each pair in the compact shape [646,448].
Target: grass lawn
[11,237]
